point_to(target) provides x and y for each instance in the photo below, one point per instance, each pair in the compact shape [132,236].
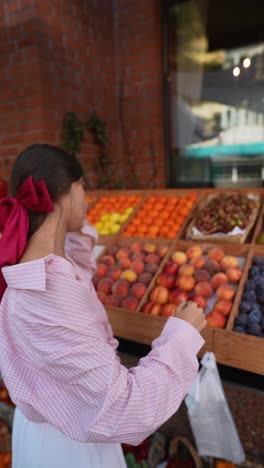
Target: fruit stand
[159,247]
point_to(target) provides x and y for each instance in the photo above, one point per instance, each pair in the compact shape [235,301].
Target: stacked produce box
[165,246]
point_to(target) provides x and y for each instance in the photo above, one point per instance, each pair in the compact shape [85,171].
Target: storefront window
[216,100]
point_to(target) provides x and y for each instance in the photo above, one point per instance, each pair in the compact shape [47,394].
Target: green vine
[72,133]
[102,166]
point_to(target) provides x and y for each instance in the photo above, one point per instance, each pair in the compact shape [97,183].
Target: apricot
[122,252]
[137,266]
[212,267]
[120,288]
[185,283]
[194,251]
[138,290]
[234,274]
[101,296]
[152,258]
[136,247]
[149,247]
[203,289]
[216,254]
[101,270]
[201,275]
[151,268]
[159,295]
[171,267]
[129,275]
[108,260]
[179,257]
[113,300]
[151,308]
[168,310]
[200,301]
[225,292]
[105,285]
[162,250]
[166,279]
[176,296]
[124,263]
[216,319]
[186,269]
[197,262]
[223,306]
[130,303]
[114,272]
[145,278]
[138,257]
[229,261]
[218,279]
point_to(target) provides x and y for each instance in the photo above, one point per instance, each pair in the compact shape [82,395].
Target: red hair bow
[14,221]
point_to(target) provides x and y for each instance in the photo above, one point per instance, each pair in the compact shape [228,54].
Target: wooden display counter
[234,349]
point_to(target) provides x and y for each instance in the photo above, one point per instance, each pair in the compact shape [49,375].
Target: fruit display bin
[231,348]
[240,350]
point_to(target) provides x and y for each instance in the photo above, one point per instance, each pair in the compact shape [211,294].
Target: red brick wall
[59,56]
[139,78]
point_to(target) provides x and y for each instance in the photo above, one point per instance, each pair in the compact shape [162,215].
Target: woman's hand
[193,314]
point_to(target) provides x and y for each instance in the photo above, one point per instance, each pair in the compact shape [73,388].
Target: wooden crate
[240,350]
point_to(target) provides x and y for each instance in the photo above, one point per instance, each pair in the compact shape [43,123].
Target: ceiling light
[236,71]
[246,62]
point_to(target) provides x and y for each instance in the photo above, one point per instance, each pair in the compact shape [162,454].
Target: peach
[145,278]
[194,251]
[201,275]
[171,268]
[114,272]
[185,283]
[225,292]
[138,290]
[138,257]
[101,270]
[203,289]
[149,247]
[179,258]
[129,275]
[176,296]
[113,300]
[159,295]
[112,250]
[218,279]
[152,258]
[234,274]
[101,296]
[186,269]
[122,252]
[151,268]
[136,247]
[120,288]
[168,310]
[162,250]
[216,254]
[108,260]
[216,319]
[229,261]
[151,308]
[223,306]
[166,279]
[212,267]
[200,301]
[105,285]
[129,303]
[124,263]
[197,262]
[137,266]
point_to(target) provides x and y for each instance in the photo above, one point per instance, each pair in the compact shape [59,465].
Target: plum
[258,261]
[250,286]
[241,320]
[245,307]
[239,329]
[249,296]
[254,329]
[255,316]
[254,272]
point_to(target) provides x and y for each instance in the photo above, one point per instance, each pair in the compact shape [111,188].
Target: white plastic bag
[211,420]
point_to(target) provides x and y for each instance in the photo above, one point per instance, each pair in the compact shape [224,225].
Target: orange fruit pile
[160,216]
[109,213]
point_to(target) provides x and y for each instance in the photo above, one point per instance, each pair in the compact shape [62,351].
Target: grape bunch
[225,211]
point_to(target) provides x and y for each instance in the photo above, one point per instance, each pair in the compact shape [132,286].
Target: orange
[142,229]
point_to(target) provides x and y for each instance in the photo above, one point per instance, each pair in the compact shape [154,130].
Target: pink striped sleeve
[100,400]
[79,247]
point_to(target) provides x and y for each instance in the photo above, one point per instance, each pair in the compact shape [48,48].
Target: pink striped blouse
[58,355]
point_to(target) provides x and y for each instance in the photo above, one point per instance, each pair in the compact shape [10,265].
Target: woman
[75,402]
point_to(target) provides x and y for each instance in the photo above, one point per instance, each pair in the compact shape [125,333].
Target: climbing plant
[72,133]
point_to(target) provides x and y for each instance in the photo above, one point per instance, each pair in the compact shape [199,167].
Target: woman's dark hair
[57,168]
